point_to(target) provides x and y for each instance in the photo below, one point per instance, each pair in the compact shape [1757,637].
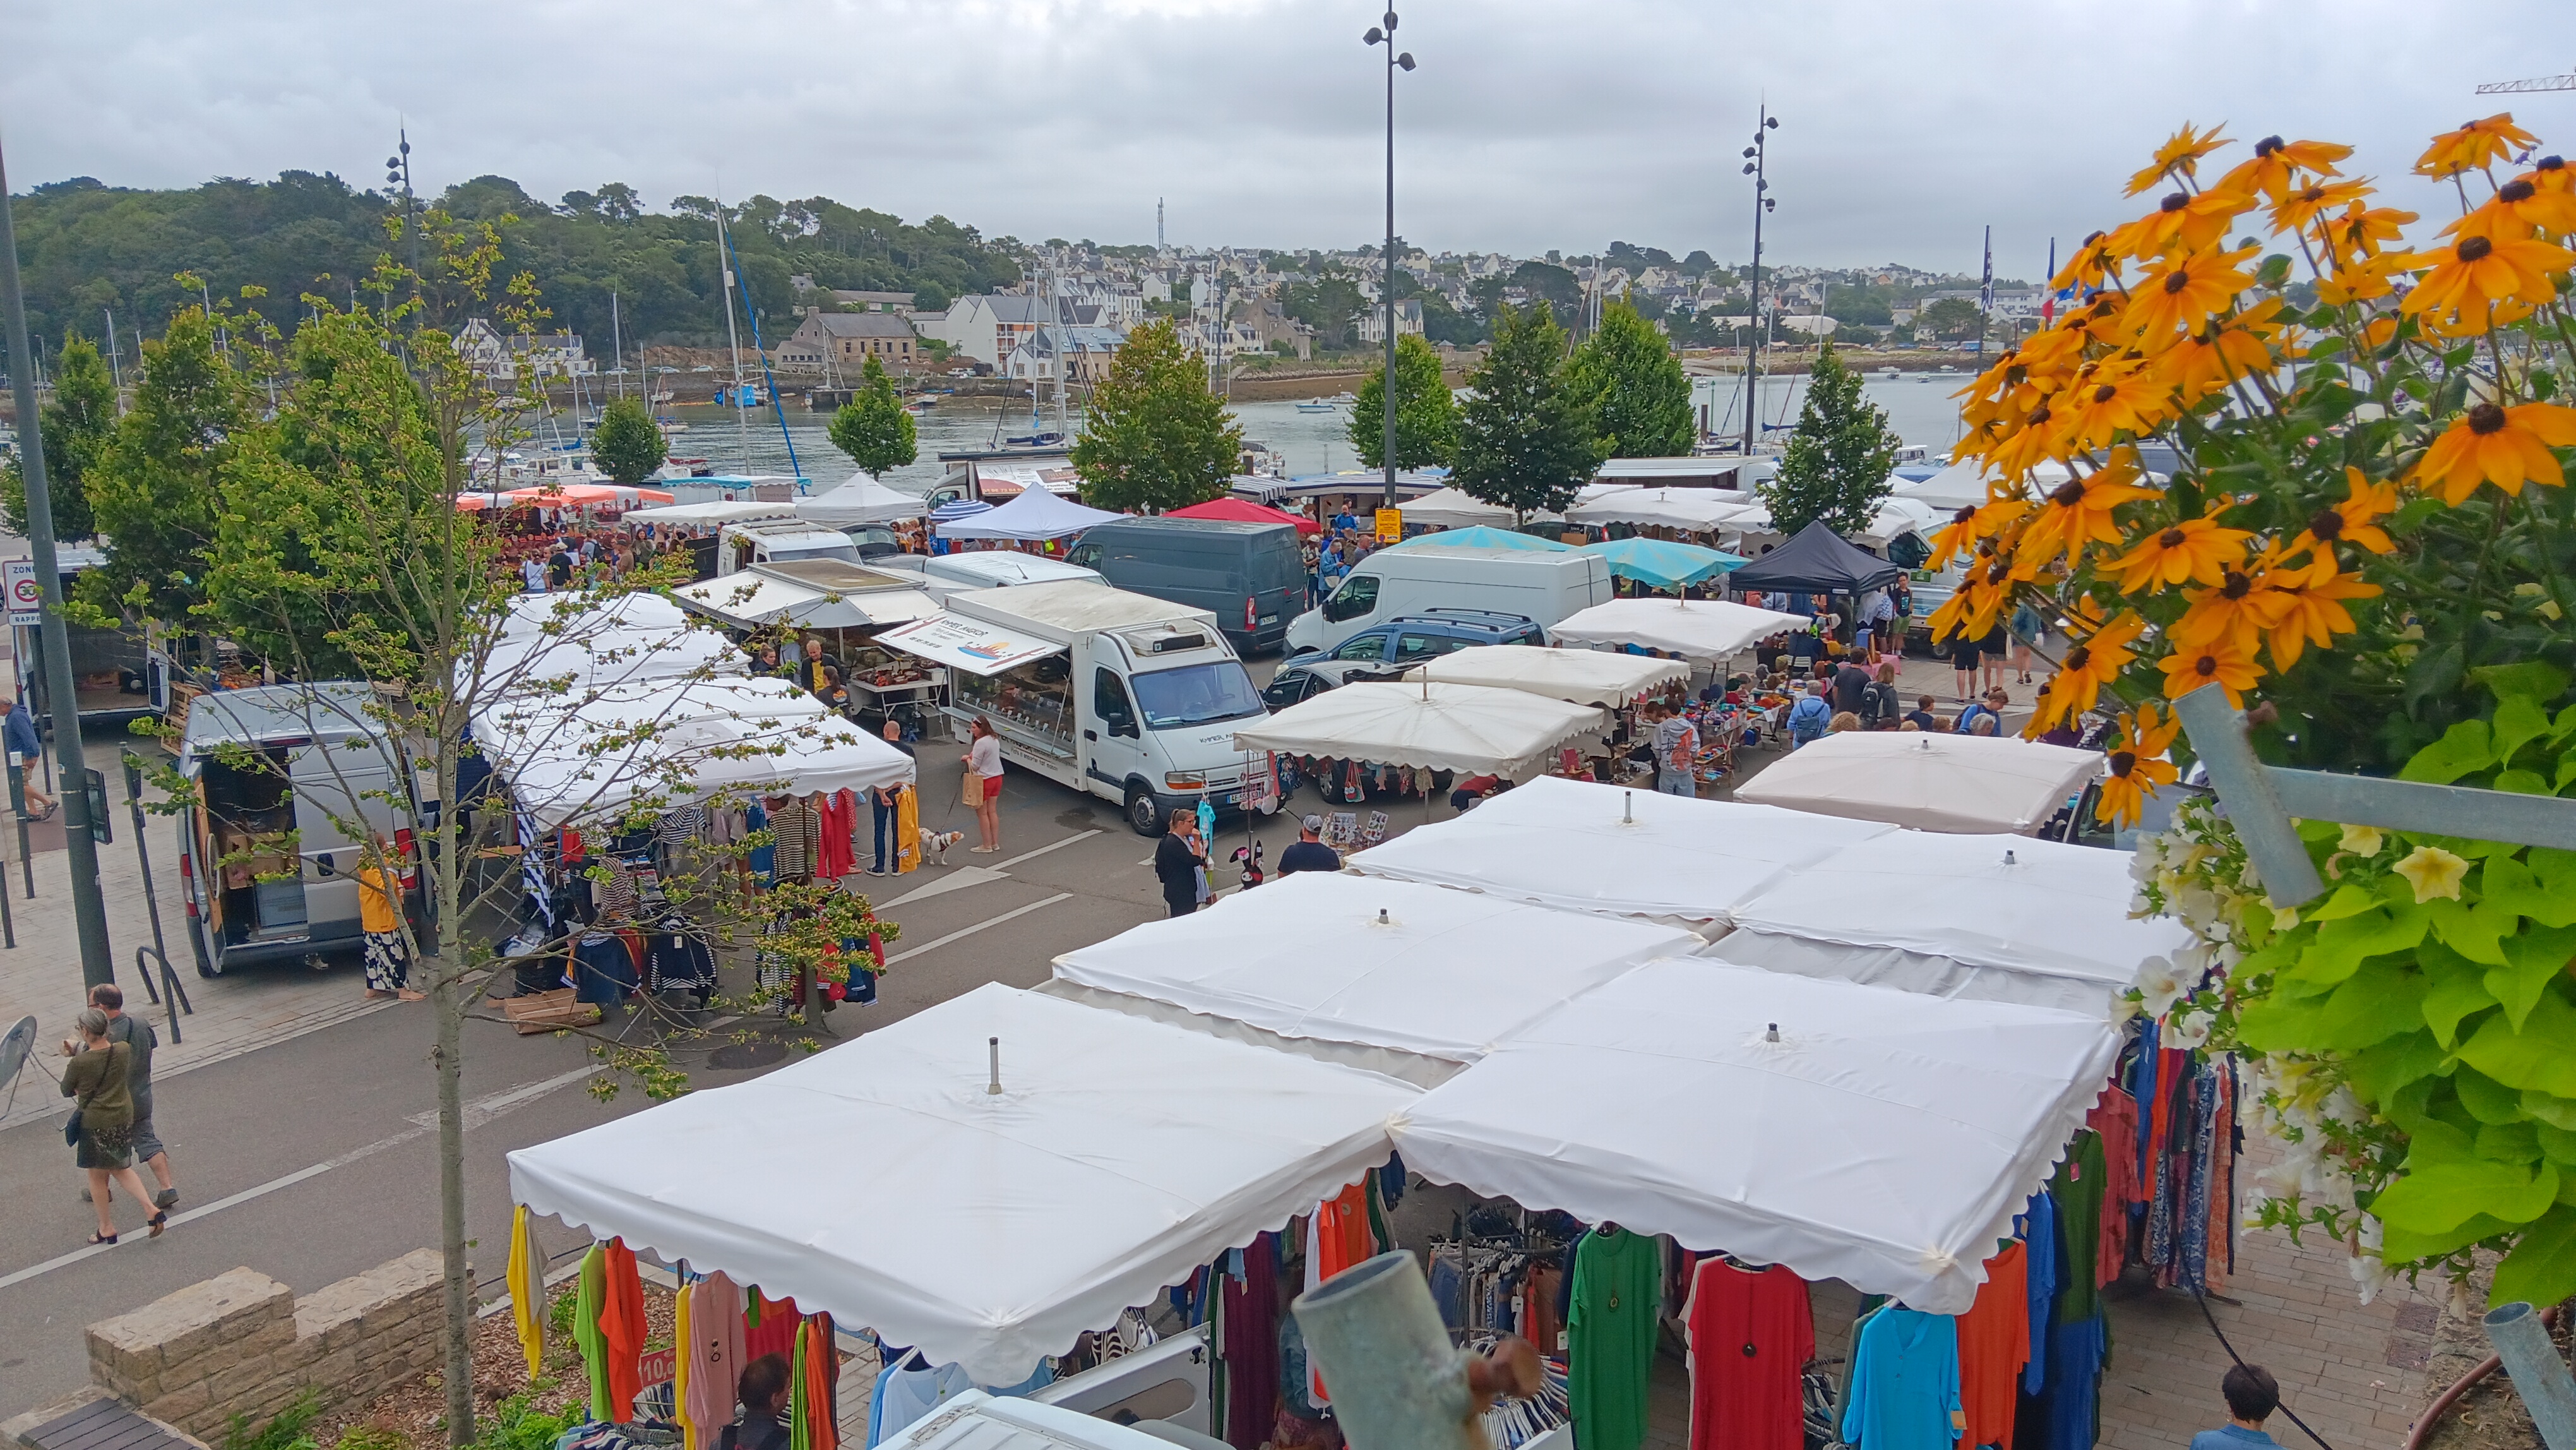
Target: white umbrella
[1582,676]
[1452,508]
[1930,781]
[1465,728]
[1698,510]
[861,500]
[1707,630]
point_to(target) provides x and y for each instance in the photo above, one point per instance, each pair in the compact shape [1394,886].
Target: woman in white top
[983,760]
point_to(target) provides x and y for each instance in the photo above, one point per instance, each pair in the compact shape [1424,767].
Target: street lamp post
[1386,286]
[1755,158]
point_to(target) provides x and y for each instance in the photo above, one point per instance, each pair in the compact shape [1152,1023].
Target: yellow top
[375,904]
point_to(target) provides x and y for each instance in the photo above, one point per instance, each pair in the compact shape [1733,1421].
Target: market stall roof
[985,1229]
[551,643]
[1244,511]
[1582,676]
[1817,561]
[1036,514]
[665,742]
[2001,918]
[1698,510]
[860,500]
[959,508]
[1452,508]
[1703,470]
[1707,630]
[579,495]
[758,598]
[1408,483]
[1963,485]
[731,511]
[1377,964]
[1466,728]
[1615,851]
[966,644]
[1484,536]
[1928,780]
[1663,563]
[1880,1138]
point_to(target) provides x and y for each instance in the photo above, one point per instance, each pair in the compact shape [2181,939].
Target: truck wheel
[1142,814]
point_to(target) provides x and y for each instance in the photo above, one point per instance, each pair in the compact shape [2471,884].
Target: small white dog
[935,844]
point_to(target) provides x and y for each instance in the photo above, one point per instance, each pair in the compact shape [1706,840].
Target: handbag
[72,1130]
[970,789]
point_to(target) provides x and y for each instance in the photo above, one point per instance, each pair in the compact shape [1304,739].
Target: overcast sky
[1906,127]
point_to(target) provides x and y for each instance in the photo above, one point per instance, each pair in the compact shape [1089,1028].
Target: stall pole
[1377,1338]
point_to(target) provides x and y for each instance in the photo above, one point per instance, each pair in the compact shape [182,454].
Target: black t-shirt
[559,569]
[1924,719]
[768,1434]
[1849,682]
[1177,867]
[1308,856]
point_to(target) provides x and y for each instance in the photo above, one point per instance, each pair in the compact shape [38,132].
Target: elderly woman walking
[96,1079]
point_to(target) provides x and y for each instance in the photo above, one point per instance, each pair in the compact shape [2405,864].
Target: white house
[501,359]
[1408,321]
[988,327]
[1086,354]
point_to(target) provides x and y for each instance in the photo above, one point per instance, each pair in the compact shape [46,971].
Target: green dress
[586,1304]
[1610,1338]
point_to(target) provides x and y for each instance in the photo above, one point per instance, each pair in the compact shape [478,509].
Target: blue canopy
[962,508]
[1481,537]
[1662,563]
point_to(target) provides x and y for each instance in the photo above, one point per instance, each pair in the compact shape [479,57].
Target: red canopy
[1245,511]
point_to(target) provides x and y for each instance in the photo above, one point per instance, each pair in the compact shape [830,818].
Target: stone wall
[241,1343]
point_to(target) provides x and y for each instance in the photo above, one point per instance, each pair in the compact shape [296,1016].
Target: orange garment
[1336,1238]
[621,1328]
[1994,1344]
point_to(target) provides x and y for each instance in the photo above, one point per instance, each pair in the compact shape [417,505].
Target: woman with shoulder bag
[102,1124]
[982,787]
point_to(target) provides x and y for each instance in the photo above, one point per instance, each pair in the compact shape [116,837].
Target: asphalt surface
[348,1107]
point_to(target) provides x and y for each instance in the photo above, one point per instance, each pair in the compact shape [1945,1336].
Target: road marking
[477,1113]
[1042,850]
[955,879]
[937,943]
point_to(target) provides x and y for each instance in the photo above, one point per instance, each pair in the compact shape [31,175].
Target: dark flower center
[2550,163]
[2076,657]
[2104,306]
[2175,202]
[2097,236]
[2327,525]
[2105,393]
[2486,418]
[2268,145]
[2123,761]
[2518,190]
[2178,281]
[2206,667]
[1964,514]
[2038,415]
[2068,494]
[2472,249]
[2016,375]
[2172,538]
[2234,585]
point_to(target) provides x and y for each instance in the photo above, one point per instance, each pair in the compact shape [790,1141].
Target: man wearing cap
[1310,853]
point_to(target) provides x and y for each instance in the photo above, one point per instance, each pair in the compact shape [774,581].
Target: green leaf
[2518,722]
[2487,1100]
[2558,1145]
[2531,682]
[2532,961]
[2542,1267]
[2404,1246]
[2282,1023]
[2536,1055]
[2514,886]
[2341,946]
[2464,749]
[2553,1111]
[2511,1143]
[2522,782]
[2472,934]
[2442,1197]
[2378,1072]
[2457,990]
[2378,1002]
[2348,900]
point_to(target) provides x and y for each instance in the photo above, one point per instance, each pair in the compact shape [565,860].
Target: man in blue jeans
[19,731]
[881,805]
[2252,1396]
[1676,748]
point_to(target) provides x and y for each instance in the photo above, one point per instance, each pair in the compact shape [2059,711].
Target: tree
[1426,415]
[1640,398]
[1330,302]
[872,427]
[153,491]
[1154,437]
[76,426]
[1950,317]
[1525,442]
[628,445]
[1838,462]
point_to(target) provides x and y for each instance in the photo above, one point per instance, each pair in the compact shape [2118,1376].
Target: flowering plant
[2350,528]
[2411,1035]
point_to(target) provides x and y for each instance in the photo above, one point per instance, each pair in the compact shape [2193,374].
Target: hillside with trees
[88,247]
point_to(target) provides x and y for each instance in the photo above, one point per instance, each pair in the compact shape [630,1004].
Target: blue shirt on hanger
[1905,1382]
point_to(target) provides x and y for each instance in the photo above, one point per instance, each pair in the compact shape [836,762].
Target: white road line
[1042,850]
[478,1112]
[956,878]
[938,942]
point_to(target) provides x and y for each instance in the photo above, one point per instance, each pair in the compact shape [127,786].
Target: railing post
[2539,1375]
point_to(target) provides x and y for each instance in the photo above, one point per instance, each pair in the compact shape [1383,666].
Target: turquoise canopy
[1481,537]
[1662,563]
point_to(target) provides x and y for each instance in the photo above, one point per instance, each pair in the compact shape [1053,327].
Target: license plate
[1229,798]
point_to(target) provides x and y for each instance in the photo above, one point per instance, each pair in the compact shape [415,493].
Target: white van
[779,541]
[1541,587]
[286,777]
[942,575]
[1130,698]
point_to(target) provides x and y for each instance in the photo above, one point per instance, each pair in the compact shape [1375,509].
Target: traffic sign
[26,595]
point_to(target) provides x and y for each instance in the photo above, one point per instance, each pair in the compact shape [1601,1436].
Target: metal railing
[169,994]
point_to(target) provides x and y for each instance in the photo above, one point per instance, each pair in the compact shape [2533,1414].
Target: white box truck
[1130,698]
[1541,587]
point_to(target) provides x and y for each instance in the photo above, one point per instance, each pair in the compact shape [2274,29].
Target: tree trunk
[447,1003]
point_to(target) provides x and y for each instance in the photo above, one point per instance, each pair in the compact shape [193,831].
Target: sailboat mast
[617,344]
[1063,349]
[733,340]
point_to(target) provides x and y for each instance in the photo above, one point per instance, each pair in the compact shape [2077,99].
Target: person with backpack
[1676,751]
[1879,708]
[1810,717]
[1991,707]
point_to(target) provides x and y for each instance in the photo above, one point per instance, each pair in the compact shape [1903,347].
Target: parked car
[1305,679]
[1411,638]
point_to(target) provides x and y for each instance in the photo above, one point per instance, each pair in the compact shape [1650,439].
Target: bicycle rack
[175,997]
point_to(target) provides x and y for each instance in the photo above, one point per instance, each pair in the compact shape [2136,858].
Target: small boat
[671,426]
[1319,405]
[919,406]
[1036,440]
[1887,372]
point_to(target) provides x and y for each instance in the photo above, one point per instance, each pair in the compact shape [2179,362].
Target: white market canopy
[1698,510]
[1035,514]
[1451,508]
[1704,630]
[755,599]
[988,1230]
[861,500]
[1581,676]
[723,511]
[1585,847]
[557,644]
[1885,1139]
[1372,964]
[669,742]
[1466,728]
[1928,780]
[1999,918]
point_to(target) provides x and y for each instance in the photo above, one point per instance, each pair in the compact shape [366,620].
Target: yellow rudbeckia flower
[2507,447]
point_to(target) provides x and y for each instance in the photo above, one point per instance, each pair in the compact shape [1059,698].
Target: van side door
[339,788]
[1113,738]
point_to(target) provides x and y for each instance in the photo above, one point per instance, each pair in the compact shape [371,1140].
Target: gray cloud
[1906,127]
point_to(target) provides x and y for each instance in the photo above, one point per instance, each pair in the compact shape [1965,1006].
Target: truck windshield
[1196,695]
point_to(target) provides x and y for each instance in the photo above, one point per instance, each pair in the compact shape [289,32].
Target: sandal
[101,1240]
[159,1221]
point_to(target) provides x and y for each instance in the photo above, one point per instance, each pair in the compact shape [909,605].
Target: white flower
[2159,986]
[2368,1274]
[2188,1030]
